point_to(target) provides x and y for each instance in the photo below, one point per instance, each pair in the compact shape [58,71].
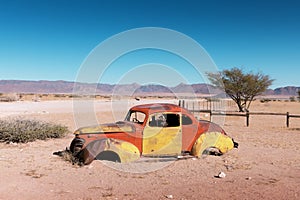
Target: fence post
[287,119]
[193,107]
[247,118]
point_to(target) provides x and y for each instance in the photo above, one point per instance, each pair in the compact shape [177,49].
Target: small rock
[248,178]
[13,143]
[169,196]
[221,175]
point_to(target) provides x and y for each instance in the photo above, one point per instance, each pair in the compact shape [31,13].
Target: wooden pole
[247,118]
[193,107]
[287,119]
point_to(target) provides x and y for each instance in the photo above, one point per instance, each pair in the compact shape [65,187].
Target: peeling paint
[212,139]
[126,151]
[106,128]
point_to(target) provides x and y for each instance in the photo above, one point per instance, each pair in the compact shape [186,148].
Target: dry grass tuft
[23,130]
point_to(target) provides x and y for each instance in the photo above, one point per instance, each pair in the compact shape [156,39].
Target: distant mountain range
[57,87]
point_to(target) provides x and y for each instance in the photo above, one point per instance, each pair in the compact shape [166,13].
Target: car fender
[212,139]
[126,151]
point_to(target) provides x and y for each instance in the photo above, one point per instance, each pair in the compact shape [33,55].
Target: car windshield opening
[136,117]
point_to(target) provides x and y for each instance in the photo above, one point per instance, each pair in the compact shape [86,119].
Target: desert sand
[265,166]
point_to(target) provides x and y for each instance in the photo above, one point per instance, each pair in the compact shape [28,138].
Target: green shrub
[22,130]
[292,99]
[265,100]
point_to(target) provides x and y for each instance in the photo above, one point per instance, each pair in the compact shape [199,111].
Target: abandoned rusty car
[150,130]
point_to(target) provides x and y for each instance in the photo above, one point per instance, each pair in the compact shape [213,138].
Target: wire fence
[221,107]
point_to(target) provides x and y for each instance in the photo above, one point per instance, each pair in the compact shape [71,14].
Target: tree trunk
[239,104]
[241,108]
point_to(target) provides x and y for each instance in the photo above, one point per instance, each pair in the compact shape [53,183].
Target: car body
[150,130]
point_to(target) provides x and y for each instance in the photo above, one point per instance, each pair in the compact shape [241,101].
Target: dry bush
[67,155]
[9,97]
[23,130]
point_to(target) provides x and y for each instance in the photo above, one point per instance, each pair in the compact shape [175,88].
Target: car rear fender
[212,139]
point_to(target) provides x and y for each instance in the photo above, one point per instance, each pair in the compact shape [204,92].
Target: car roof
[158,107]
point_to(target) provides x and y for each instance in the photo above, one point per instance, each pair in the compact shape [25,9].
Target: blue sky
[49,40]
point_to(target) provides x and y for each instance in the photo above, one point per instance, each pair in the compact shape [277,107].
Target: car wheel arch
[212,143]
[109,156]
[109,149]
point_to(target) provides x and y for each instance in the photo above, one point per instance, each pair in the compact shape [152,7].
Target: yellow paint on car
[126,151]
[107,128]
[212,139]
[162,141]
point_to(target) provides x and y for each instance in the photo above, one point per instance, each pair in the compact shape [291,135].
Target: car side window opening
[136,117]
[164,120]
[186,120]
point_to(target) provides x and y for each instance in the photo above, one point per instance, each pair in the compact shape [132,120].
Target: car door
[162,134]
[189,132]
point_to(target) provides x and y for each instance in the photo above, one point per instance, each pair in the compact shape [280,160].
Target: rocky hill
[66,87]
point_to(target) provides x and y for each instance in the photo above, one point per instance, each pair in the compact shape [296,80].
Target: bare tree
[240,86]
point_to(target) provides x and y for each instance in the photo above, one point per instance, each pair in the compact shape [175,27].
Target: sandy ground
[266,165]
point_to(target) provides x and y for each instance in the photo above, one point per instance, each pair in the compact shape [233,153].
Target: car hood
[106,128]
